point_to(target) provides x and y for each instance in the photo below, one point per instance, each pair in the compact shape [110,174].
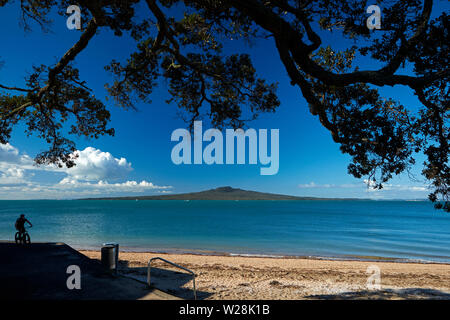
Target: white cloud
[308,185]
[396,187]
[93,165]
[13,165]
[12,176]
[11,155]
[366,184]
[124,186]
[8,153]
[314,185]
[364,189]
[72,189]
[96,173]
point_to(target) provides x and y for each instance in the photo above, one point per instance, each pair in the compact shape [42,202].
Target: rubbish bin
[110,257]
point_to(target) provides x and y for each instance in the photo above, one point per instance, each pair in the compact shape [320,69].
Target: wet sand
[235,277]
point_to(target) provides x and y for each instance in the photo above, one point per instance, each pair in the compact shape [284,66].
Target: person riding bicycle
[20,223]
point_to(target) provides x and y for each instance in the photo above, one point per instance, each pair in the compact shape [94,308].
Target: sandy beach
[236,277]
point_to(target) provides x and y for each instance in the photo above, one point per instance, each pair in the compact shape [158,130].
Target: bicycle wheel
[17,238]
[26,238]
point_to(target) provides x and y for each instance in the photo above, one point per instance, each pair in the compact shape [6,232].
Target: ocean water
[410,230]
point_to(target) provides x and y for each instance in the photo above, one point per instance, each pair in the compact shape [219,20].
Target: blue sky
[137,160]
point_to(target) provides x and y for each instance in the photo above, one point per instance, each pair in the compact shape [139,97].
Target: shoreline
[237,277]
[198,252]
[262,255]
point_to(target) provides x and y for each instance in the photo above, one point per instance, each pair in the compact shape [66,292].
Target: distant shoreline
[179,199]
[134,199]
[226,193]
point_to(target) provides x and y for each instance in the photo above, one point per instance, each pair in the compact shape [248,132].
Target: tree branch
[15,88]
[405,47]
[273,23]
[69,56]
[53,72]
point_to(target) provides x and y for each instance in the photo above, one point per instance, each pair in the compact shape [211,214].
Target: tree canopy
[382,136]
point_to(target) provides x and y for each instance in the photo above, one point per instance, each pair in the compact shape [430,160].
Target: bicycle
[22,237]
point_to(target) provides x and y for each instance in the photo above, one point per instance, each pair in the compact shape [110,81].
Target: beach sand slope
[235,277]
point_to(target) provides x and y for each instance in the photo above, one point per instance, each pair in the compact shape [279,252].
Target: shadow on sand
[38,271]
[177,283]
[387,294]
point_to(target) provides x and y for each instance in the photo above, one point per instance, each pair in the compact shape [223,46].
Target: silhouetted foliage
[381,135]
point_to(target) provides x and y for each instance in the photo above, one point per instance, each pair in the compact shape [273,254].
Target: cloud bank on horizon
[96,173]
[389,191]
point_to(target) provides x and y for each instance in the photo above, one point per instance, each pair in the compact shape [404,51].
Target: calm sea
[351,229]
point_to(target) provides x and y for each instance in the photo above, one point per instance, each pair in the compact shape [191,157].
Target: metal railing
[175,265]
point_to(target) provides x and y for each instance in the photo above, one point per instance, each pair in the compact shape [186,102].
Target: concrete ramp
[38,271]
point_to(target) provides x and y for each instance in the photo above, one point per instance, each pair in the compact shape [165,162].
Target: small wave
[252,255]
